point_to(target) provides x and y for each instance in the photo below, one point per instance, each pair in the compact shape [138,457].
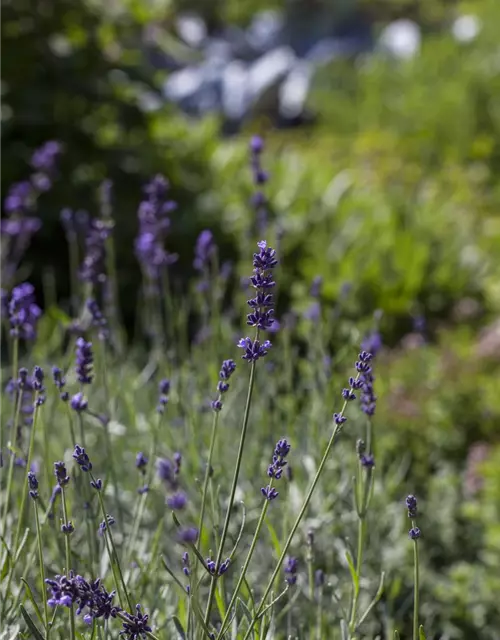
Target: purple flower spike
[188,535]
[254,349]
[61,474]
[290,569]
[84,361]
[154,224]
[136,626]
[82,458]
[177,502]
[23,312]
[78,402]
[33,485]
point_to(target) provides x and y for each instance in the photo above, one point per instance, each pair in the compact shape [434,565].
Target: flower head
[275,469]
[93,268]
[33,485]
[23,312]
[177,501]
[84,361]
[79,402]
[188,535]
[61,473]
[141,461]
[136,626]
[82,458]
[97,319]
[290,569]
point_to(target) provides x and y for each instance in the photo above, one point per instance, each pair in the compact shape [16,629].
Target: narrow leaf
[179,627]
[274,537]
[31,625]
[421,633]
[33,601]
[396,635]
[7,561]
[352,570]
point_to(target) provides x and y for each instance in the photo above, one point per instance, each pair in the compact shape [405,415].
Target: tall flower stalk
[362,365]
[414,534]
[260,317]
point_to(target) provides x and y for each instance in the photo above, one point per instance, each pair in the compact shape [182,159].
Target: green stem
[233,490]
[113,556]
[67,548]
[227,617]
[359,560]
[207,473]
[319,615]
[298,520]
[42,570]
[17,409]
[416,586]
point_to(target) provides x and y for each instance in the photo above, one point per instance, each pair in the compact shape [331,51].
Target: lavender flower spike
[261,315]
[84,361]
[275,469]
[82,458]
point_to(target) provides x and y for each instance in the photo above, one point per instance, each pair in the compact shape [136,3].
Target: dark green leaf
[31,625]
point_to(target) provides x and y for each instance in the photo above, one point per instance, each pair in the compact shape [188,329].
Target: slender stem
[28,467]
[73,270]
[233,490]
[86,494]
[226,620]
[416,586]
[298,520]
[359,561]
[42,570]
[67,548]
[113,556]
[208,472]
[15,357]
[17,408]
[319,615]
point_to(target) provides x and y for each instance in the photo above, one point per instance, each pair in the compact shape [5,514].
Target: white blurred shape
[183,83]
[191,29]
[264,30]
[234,90]
[466,28]
[401,38]
[293,92]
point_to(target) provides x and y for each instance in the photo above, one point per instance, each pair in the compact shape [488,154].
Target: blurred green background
[390,185]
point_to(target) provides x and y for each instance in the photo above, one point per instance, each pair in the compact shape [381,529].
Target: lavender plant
[202,525]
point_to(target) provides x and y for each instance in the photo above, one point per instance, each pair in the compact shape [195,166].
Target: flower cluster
[136,626]
[212,566]
[84,361]
[368,398]
[90,596]
[260,177]
[37,381]
[97,319]
[367,460]
[105,524]
[23,312]
[61,473]
[411,505]
[141,461]
[33,485]
[169,470]
[227,369]
[60,382]
[82,459]
[275,469]
[185,564]
[188,535]
[177,501]
[153,228]
[261,315]
[290,569]
[79,403]
[163,391]
[93,267]
[203,253]
[44,162]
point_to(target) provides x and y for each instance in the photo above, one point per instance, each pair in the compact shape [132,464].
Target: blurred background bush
[382,126]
